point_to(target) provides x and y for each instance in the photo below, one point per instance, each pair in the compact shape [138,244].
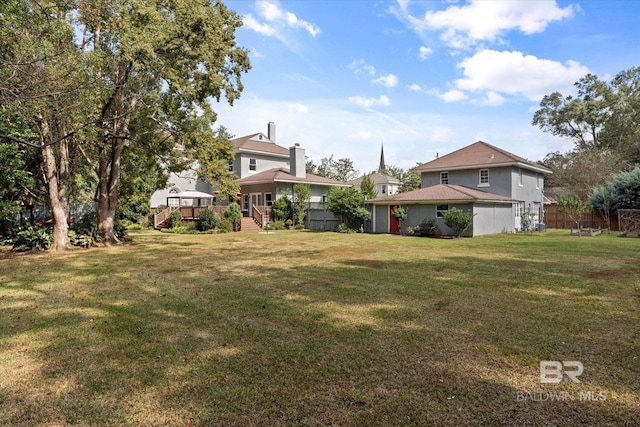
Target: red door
[394,224]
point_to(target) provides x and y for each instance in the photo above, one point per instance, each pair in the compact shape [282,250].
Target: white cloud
[389,81]
[362,135]
[414,87]
[424,52]
[264,29]
[279,22]
[514,73]
[369,102]
[479,20]
[295,22]
[493,99]
[359,66]
[454,95]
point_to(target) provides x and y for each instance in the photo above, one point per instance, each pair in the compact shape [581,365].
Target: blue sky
[421,77]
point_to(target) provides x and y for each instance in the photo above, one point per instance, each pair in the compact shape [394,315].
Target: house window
[267,199]
[520,177]
[384,189]
[252,164]
[174,202]
[484,178]
[441,210]
[538,181]
[444,177]
[324,198]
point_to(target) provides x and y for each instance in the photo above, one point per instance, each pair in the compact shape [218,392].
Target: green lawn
[318,329]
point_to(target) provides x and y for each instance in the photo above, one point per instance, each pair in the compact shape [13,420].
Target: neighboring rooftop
[442,193]
[283,175]
[476,155]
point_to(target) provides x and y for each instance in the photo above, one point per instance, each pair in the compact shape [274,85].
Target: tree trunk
[58,201]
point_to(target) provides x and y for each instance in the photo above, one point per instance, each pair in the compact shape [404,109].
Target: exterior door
[255,199]
[394,224]
[518,207]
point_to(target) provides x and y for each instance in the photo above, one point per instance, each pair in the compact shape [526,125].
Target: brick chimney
[271,131]
[297,162]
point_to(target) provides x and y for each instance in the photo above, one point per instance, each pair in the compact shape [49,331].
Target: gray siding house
[265,171]
[496,186]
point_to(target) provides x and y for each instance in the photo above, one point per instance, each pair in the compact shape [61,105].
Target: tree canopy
[340,170]
[603,115]
[96,81]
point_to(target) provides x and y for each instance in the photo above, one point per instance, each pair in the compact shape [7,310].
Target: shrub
[175,218]
[234,214]
[299,227]
[457,220]
[207,220]
[31,237]
[277,225]
[344,228]
[225,225]
[399,213]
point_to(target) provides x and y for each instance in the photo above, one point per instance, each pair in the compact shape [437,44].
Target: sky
[424,78]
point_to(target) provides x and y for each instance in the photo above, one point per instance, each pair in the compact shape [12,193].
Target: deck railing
[258,216]
[161,217]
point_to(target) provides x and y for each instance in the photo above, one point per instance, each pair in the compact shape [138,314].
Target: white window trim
[520,178]
[480,183]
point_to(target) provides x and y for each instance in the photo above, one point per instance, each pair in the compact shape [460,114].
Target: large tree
[45,90]
[340,170]
[160,65]
[603,115]
[95,77]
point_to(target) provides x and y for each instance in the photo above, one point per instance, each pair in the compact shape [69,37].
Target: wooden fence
[557,219]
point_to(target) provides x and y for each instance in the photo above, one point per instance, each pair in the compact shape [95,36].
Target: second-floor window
[484,177]
[252,164]
[384,189]
[444,177]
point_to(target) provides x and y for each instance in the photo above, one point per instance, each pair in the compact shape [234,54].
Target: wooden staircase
[249,224]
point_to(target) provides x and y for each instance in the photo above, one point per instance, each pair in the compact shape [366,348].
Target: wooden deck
[261,215]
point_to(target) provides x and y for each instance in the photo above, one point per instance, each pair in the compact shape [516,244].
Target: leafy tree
[602,115]
[580,171]
[409,179]
[621,192]
[368,188]
[234,214]
[457,220]
[340,170]
[45,87]
[300,202]
[143,74]
[574,207]
[347,204]
[282,207]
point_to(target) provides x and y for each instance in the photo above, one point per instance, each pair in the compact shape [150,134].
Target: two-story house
[265,171]
[497,187]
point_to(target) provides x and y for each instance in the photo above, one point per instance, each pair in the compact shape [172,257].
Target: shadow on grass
[258,334]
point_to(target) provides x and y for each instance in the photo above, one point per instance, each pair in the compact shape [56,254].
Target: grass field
[319,329]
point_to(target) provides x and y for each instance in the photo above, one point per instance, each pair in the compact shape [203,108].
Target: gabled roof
[377,178]
[283,175]
[258,143]
[441,193]
[478,155]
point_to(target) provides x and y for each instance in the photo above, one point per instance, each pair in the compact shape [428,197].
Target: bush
[207,220]
[457,220]
[175,218]
[31,237]
[344,228]
[299,227]
[225,225]
[234,214]
[277,225]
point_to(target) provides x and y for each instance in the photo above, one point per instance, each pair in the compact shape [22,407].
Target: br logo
[553,371]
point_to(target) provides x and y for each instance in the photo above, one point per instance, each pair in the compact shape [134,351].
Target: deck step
[248,224]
